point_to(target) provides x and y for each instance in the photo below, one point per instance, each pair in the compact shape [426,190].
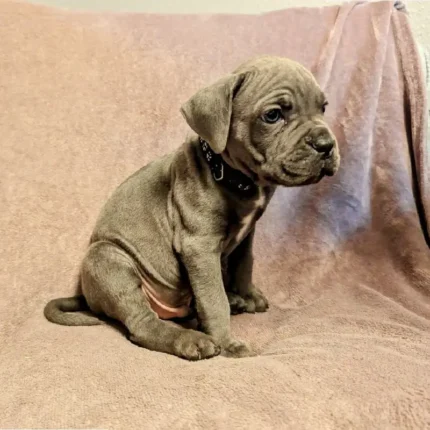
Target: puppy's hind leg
[111,285]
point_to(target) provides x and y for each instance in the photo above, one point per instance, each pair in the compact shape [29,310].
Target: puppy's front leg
[243,296]
[213,310]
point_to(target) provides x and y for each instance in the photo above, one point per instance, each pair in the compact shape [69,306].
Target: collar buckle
[221,174]
[234,180]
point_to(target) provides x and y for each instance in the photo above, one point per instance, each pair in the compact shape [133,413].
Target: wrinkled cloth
[89,98]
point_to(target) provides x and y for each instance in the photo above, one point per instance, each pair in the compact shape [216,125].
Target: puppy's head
[267,120]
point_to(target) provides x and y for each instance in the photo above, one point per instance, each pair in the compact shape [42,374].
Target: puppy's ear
[208,112]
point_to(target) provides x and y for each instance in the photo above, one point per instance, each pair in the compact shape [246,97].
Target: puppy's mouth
[291,178]
[328,169]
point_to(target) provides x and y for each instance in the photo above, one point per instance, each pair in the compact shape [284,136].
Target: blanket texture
[87,99]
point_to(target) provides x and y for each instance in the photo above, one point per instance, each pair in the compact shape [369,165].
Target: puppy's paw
[236,349]
[256,301]
[194,345]
[237,304]
[253,301]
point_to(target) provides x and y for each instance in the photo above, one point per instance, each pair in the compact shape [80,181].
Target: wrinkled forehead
[285,83]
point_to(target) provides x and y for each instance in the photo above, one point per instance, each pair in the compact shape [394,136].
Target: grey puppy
[177,235]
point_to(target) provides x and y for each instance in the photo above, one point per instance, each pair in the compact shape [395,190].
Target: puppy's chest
[243,221]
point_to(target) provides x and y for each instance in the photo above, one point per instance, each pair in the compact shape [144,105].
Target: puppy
[175,239]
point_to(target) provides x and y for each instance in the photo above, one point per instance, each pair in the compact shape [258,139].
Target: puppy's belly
[165,302]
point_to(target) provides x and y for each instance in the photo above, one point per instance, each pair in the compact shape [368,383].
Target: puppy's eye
[272,116]
[324,106]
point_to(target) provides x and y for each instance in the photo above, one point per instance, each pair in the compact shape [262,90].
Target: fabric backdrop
[88,98]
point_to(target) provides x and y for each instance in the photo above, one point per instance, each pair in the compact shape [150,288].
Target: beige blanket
[86,99]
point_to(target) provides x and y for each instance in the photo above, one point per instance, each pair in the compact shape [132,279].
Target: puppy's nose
[323,143]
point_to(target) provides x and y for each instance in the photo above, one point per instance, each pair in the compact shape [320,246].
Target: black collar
[232,179]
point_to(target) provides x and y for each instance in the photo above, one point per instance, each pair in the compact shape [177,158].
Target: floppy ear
[208,112]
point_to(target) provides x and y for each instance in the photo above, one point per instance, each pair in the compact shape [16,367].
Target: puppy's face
[267,120]
[278,134]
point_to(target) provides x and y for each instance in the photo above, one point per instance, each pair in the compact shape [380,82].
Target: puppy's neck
[226,176]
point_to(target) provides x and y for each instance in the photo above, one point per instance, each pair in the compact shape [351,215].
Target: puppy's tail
[71,311]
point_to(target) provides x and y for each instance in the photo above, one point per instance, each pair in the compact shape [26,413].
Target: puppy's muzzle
[324,143]
[321,140]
